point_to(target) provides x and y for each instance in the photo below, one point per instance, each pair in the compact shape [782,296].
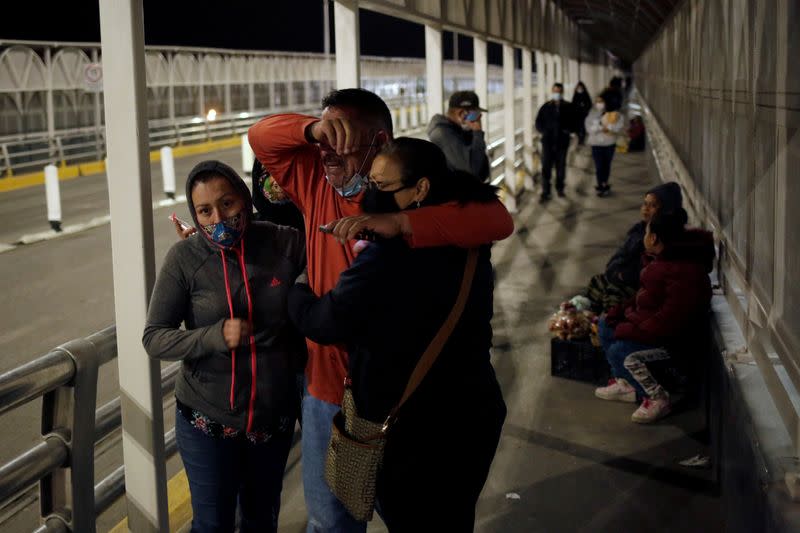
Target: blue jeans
[603,155]
[222,471]
[326,514]
[616,351]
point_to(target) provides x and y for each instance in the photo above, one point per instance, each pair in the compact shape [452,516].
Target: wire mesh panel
[721,80]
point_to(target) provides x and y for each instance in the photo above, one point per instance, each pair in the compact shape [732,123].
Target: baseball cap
[465,100]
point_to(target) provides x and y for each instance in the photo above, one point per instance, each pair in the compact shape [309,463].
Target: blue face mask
[227,232]
[356,183]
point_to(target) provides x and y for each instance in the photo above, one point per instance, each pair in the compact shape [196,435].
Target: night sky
[292,25]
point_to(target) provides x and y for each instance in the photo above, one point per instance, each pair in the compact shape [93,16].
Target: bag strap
[437,344]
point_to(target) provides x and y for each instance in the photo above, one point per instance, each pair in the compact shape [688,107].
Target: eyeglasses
[371,184]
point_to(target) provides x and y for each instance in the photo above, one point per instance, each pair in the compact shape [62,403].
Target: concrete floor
[576,463]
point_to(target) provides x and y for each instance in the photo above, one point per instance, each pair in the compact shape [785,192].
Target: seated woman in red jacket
[673,298]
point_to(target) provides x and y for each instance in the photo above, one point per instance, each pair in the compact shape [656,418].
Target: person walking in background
[460,135]
[603,127]
[236,396]
[555,122]
[582,101]
[612,95]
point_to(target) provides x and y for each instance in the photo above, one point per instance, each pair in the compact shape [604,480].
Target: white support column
[201,112]
[348,47]
[171,88]
[481,60]
[527,115]
[51,117]
[508,127]
[251,87]
[122,32]
[434,70]
[558,70]
[227,87]
[541,79]
[98,114]
[549,74]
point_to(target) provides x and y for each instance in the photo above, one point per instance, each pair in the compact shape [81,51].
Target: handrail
[66,378]
[35,150]
[31,466]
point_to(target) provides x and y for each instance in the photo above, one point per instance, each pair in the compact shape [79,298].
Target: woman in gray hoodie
[235,395]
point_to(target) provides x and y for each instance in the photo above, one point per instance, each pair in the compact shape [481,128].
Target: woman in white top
[603,128]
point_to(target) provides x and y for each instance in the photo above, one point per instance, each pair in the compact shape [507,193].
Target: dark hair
[367,104]
[669,227]
[559,85]
[422,159]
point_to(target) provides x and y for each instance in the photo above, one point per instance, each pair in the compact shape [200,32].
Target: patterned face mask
[227,232]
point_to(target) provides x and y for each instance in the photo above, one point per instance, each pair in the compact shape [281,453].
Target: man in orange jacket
[321,163]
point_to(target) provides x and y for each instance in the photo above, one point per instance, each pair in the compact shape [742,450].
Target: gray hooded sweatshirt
[192,288]
[464,149]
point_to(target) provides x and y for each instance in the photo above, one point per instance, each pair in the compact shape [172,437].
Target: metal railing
[31,152]
[62,462]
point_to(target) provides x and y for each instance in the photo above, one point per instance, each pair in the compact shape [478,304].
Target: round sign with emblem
[93,77]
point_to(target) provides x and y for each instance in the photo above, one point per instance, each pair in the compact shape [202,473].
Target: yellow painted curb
[68,172]
[179,503]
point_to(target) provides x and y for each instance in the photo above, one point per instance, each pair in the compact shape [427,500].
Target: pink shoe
[652,410]
[617,390]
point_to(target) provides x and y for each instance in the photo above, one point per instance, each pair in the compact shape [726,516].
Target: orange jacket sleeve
[279,142]
[466,226]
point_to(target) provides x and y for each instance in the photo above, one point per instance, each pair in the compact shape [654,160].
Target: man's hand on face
[344,136]
[473,125]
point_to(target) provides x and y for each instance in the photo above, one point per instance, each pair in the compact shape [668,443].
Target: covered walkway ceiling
[623,27]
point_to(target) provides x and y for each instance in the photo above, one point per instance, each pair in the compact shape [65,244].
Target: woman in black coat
[386,308]
[582,101]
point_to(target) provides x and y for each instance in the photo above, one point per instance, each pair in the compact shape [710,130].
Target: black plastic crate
[579,360]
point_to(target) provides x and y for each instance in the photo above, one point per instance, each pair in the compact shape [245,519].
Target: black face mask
[376,201]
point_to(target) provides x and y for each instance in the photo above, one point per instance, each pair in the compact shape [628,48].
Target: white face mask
[556,96]
[600,106]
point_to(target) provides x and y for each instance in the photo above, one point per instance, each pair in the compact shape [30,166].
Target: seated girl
[672,300]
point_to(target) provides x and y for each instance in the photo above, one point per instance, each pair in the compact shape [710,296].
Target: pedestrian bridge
[715,86]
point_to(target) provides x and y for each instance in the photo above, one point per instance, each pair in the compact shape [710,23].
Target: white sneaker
[617,390]
[652,410]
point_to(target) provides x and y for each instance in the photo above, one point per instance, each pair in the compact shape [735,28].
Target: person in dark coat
[460,135]
[621,278]
[672,300]
[555,122]
[612,95]
[582,101]
[386,308]
[236,398]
